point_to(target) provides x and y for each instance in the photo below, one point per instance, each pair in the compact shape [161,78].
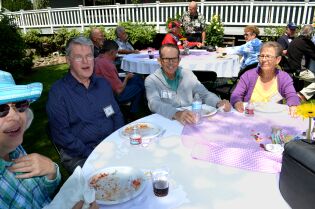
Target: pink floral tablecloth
[234,139]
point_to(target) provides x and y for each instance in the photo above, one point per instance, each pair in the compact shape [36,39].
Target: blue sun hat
[10,92]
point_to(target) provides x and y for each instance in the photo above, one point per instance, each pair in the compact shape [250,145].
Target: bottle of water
[196,108]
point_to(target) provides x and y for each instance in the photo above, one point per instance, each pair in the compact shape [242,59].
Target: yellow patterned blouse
[261,95]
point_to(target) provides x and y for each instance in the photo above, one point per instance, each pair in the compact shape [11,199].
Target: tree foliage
[12,48]
[41,4]
[16,5]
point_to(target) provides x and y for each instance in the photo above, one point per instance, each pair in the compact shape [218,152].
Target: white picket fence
[234,15]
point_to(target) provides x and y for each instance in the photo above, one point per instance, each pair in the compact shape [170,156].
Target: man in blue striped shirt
[81,107]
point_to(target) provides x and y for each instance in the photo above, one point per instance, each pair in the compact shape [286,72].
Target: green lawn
[35,138]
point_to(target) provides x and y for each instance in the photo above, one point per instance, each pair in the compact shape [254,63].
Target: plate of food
[205,112]
[268,107]
[145,129]
[115,185]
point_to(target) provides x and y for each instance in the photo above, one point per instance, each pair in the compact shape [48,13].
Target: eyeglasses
[266,57]
[80,58]
[170,59]
[248,34]
[19,106]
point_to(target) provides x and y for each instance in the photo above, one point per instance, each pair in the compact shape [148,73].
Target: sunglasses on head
[19,106]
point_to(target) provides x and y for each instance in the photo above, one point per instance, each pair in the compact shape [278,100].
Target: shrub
[61,38]
[139,33]
[273,33]
[32,40]
[16,5]
[215,32]
[12,48]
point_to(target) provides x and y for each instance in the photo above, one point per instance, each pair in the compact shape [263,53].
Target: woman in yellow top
[266,83]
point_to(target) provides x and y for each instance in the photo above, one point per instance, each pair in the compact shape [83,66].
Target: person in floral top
[194,24]
[249,51]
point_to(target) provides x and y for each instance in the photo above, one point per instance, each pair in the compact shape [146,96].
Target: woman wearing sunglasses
[27,180]
[249,51]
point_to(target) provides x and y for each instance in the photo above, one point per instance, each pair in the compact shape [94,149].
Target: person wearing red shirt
[175,37]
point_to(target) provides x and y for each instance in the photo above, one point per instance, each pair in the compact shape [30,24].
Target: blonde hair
[253,29]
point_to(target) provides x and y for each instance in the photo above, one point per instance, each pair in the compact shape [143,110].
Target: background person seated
[249,51]
[97,37]
[266,83]
[171,87]
[127,89]
[81,107]
[122,40]
[175,37]
[300,51]
[287,37]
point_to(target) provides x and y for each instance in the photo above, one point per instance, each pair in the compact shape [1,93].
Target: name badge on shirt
[109,111]
[164,94]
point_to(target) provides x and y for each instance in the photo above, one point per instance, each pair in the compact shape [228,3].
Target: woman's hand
[292,111]
[224,105]
[34,165]
[239,107]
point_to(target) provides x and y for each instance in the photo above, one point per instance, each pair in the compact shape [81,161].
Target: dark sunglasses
[19,106]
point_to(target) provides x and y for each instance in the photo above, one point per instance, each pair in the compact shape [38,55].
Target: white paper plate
[146,130]
[206,110]
[275,148]
[115,185]
[270,107]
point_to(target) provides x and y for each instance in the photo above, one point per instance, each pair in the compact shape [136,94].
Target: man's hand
[224,105]
[34,165]
[199,45]
[79,205]
[239,107]
[185,117]
[129,75]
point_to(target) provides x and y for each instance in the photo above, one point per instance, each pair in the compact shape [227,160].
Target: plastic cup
[160,183]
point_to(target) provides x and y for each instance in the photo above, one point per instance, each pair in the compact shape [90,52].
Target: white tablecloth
[207,185]
[198,60]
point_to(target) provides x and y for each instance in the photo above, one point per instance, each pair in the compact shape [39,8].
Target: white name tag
[164,94]
[108,110]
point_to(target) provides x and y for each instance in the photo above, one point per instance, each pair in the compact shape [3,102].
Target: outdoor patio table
[205,185]
[197,60]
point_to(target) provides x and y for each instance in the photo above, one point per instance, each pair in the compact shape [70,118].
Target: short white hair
[29,118]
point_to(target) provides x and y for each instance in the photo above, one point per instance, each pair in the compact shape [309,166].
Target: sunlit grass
[35,138]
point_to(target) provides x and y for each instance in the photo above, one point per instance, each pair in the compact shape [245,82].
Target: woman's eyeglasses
[266,57]
[19,106]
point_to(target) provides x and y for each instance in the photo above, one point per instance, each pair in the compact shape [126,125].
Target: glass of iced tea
[160,183]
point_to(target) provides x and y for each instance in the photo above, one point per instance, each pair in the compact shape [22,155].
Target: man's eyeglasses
[19,106]
[170,59]
[79,58]
[266,57]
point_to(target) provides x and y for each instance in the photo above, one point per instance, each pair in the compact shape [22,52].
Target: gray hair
[307,31]
[80,40]
[29,118]
[272,44]
[119,30]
